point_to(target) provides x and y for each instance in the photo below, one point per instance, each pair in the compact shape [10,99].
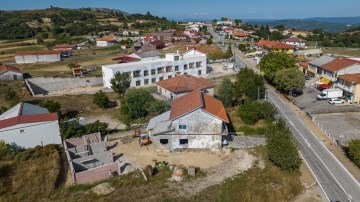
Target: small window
[185,67]
[138,83]
[199,72]
[146,72]
[146,81]
[153,80]
[169,77]
[164,141]
[153,71]
[182,127]
[184,141]
[161,78]
[177,68]
[22,131]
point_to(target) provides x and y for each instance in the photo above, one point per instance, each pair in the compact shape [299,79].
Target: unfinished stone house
[195,121]
[89,159]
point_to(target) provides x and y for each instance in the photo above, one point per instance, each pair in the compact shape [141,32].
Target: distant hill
[328,24]
[110,10]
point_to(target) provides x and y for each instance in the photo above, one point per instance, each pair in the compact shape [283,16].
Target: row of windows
[153,80]
[167,69]
[181,141]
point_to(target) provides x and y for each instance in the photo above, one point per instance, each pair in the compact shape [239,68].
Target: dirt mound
[103,189]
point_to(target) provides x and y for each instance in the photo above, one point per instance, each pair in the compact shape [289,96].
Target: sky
[207,9]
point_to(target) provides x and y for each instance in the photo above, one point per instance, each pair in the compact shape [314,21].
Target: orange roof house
[195,121]
[339,63]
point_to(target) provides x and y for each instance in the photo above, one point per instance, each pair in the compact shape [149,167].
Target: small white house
[178,86]
[295,41]
[26,126]
[103,42]
[10,73]
[150,70]
[195,121]
[24,57]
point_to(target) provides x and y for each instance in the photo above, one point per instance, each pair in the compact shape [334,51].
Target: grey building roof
[321,60]
[160,124]
[161,118]
[23,109]
[148,54]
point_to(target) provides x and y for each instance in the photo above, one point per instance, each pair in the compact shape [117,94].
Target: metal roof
[321,60]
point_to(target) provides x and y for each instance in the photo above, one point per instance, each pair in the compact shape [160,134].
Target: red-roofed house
[26,126]
[350,83]
[195,121]
[10,73]
[339,66]
[178,86]
[103,42]
[295,41]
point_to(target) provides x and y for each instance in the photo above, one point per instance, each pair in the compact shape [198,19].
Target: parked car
[296,93]
[336,101]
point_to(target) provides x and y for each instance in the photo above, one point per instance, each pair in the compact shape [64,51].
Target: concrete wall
[10,76]
[31,135]
[23,59]
[211,141]
[108,73]
[354,69]
[96,174]
[42,85]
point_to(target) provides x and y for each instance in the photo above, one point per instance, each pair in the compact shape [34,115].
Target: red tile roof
[185,83]
[280,46]
[35,118]
[198,100]
[240,35]
[7,68]
[265,43]
[294,39]
[42,52]
[126,59]
[354,78]
[304,64]
[64,46]
[106,39]
[339,63]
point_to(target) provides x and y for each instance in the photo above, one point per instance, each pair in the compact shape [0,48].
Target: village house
[89,159]
[25,57]
[103,42]
[27,126]
[240,36]
[178,36]
[150,70]
[315,65]
[147,38]
[295,41]
[329,72]
[10,73]
[165,36]
[350,83]
[158,44]
[191,33]
[274,46]
[195,121]
[148,47]
[178,86]
[226,22]
[303,67]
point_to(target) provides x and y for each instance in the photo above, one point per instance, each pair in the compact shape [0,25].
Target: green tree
[275,61]
[248,85]
[52,106]
[228,53]
[120,83]
[354,151]
[101,100]
[209,41]
[249,112]
[241,47]
[289,79]
[282,150]
[225,92]
[197,40]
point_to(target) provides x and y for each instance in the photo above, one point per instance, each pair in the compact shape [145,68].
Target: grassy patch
[26,48]
[342,51]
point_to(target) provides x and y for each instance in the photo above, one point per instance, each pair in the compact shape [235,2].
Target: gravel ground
[246,141]
[341,126]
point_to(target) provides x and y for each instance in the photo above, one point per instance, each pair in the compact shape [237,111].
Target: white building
[23,57]
[151,70]
[195,121]
[229,23]
[26,126]
[295,41]
[10,73]
[103,42]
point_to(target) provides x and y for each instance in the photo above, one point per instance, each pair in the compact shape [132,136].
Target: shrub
[101,100]
[52,106]
[225,92]
[252,111]
[354,151]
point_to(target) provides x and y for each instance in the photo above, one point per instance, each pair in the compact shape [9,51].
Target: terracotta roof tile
[294,39]
[339,63]
[126,59]
[304,64]
[355,78]
[280,46]
[265,43]
[198,100]
[185,83]
[7,68]
[28,119]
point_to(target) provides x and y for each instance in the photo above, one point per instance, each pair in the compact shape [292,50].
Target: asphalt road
[336,182]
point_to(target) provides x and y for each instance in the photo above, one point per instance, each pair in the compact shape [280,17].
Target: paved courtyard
[341,126]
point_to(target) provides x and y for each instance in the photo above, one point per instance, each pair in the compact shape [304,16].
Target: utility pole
[258,92]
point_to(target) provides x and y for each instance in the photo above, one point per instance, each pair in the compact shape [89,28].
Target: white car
[336,101]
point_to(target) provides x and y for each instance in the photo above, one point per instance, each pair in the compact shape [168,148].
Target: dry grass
[341,52]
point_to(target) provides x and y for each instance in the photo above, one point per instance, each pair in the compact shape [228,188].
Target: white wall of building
[11,76]
[32,134]
[104,43]
[183,65]
[354,69]
[24,59]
